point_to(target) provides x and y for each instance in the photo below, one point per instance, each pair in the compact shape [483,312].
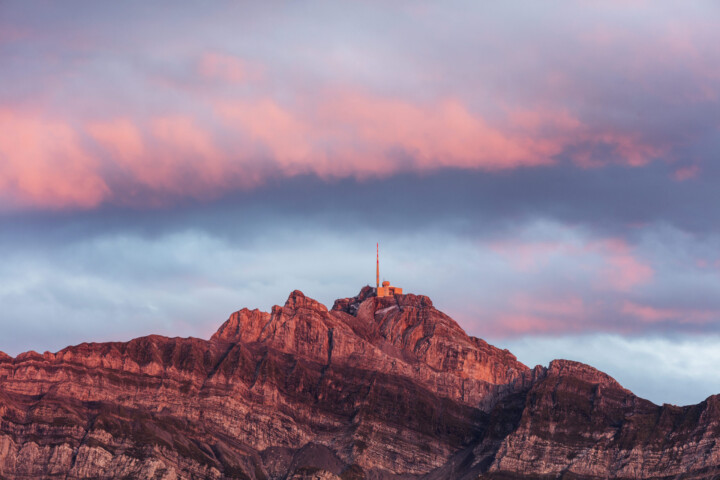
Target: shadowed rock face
[375,388]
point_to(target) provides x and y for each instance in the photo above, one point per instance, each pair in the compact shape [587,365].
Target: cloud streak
[174,156]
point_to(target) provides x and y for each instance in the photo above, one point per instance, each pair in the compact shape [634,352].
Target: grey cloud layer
[551,215]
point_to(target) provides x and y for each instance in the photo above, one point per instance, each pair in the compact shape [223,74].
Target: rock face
[375,388]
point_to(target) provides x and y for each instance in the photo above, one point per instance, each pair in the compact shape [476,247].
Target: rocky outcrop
[578,422]
[374,388]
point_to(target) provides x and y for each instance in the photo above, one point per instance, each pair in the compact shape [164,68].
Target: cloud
[166,158]
[307,91]
[651,314]
[173,156]
[121,137]
[623,270]
[223,67]
[619,269]
[355,134]
[45,165]
[686,173]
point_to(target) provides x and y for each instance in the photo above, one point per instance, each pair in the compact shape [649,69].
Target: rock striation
[374,388]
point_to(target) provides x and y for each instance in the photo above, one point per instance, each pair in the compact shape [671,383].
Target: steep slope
[399,335]
[366,394]
[374,388]
[580,423]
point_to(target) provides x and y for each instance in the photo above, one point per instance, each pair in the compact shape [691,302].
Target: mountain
[374,388]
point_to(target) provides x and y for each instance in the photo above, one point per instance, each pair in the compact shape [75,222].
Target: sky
[547,173]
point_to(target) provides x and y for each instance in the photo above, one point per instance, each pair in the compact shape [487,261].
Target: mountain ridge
[376,388]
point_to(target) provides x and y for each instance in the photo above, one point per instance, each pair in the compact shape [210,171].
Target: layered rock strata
[374,388]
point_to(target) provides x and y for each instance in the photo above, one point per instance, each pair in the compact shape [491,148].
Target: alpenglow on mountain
[374,388]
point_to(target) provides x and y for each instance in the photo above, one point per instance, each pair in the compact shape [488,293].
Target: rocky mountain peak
[367,296]
[581,371]
[297,300]
[376,388]
[244,325]
[403,334]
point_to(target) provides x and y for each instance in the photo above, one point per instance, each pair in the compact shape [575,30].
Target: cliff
[374,388]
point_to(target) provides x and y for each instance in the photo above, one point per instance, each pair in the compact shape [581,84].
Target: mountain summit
[374,388]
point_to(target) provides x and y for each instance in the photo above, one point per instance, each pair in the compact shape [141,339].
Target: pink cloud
[339,134]
[169,155]
[437,135]
[520,324]
[274,133]
[353,134]
[686,173]
[120,137]
[43,163]
[620,269]
[219,66]
[649,314]
[569,306]
[534,314]
[527,314]
[544,121]
[529,257]
[629,148]
[179,139]
[608,265]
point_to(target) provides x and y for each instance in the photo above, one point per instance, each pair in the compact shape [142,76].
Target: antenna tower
[377,269]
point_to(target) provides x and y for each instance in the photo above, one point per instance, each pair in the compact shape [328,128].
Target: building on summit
[386,289]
